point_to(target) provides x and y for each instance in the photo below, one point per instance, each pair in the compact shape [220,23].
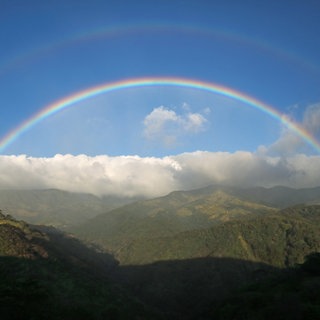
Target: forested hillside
[122,231]
[53,276]
[211,253]
[168,216]
[281,240]
[293,294]
[194,270]
[190,250]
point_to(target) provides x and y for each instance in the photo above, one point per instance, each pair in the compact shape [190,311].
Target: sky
[254,120]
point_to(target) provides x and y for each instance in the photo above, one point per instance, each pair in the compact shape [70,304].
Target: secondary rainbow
[72,99]
[117,30]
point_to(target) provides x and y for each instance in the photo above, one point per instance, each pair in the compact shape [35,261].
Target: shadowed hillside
[53,276]
[293,295]
[189,255]
[183,289]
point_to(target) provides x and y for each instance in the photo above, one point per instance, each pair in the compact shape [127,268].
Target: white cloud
[193,122]
[311,120]
[156,121]
[166,126]
[150,177]
[289,142]
[207,110]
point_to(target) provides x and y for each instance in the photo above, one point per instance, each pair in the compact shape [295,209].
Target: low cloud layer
[150,177]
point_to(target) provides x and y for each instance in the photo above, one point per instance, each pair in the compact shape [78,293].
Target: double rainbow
[148,82]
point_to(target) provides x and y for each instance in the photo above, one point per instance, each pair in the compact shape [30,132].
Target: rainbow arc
[74,98]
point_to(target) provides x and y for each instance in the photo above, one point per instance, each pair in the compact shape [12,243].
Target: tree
[312,263]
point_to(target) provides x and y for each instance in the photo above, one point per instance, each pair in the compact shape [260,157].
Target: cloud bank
[151,177]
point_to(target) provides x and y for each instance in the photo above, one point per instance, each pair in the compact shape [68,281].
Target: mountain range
[186,213]
[65,209]
[56,207]
[188,255]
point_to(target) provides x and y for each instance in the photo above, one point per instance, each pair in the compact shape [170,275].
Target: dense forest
[214,253]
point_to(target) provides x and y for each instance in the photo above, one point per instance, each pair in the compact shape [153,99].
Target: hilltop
[182,211]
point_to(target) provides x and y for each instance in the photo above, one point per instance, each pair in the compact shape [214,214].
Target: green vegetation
[277,240]
[47,278]
[195,269]
[167,216]
[206,223]
[295,294]
[214,253]
[44,289]
[191,250]
[55,207]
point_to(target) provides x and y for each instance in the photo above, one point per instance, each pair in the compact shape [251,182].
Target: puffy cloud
[311,119]
[193,122]
[150,177]
[156,121]
[165,125]
[289,142]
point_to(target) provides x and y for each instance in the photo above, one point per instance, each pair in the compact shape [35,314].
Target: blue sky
[53,49]
[50,49]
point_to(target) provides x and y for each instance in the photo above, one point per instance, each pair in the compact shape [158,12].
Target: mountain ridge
[186,262]
[166,216]
[181,211]
[281,240]
[56,207]
[66,209]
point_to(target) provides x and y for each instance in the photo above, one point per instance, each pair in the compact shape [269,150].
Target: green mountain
[212,253]
[194,271]
[190,250]
[281,239]
[280,197]
[56,207]
[66,209]
[167,216]
[53,276]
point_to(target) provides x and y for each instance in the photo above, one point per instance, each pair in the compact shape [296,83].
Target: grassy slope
[55,207]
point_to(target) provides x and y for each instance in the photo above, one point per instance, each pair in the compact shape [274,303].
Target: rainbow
[110,31]
[147,82]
